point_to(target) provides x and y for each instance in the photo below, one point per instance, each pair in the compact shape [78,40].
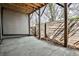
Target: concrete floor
[30,46]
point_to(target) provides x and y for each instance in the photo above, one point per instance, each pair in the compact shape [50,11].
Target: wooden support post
[45,30]
[39,23]
[1,25]
[65,25]
[35,30]
[29,23]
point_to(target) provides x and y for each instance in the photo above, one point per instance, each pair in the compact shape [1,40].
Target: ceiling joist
[23,7]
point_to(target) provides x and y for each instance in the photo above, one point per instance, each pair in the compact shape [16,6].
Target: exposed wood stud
[65,25]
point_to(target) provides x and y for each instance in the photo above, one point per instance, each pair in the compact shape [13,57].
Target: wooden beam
[35,31]
[43,10]
[65,25]
[1,27]
[33,6]
[26,5]
[45,30]
[23,6]
[37,4]
[39,23]
[60,5]
[38,8]
[13,8]
[16,8]
[29,23]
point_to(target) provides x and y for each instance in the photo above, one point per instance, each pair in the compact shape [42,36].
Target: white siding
[14,22]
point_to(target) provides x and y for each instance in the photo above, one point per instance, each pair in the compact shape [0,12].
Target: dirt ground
[53,27]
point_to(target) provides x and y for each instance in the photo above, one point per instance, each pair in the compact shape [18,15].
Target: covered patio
[19,37]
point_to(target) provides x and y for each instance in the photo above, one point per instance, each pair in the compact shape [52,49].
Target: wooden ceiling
[24,7]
